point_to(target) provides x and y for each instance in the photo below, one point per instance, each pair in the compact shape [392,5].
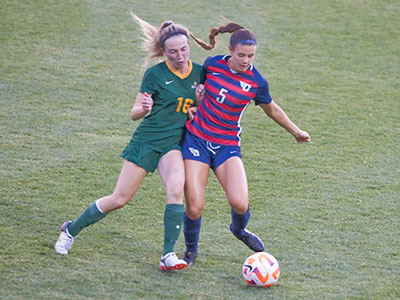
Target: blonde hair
[153,38]
[240,35]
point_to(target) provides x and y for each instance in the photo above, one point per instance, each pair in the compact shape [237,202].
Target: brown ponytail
[239,34]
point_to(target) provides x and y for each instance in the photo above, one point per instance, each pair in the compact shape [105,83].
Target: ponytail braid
[229,27]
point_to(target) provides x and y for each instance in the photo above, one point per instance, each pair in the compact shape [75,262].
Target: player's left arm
[276,113]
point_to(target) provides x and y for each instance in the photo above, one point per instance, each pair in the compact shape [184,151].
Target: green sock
[173,218]
[91,215]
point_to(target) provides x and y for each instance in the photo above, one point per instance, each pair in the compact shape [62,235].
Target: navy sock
[191,230]
[239,222]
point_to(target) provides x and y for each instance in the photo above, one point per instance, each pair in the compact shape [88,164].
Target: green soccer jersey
[172,94]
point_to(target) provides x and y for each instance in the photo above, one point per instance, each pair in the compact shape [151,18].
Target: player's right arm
[199,91]
[142,106]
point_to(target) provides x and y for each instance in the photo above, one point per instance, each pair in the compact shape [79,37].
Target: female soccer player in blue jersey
[166,94]
[231,82]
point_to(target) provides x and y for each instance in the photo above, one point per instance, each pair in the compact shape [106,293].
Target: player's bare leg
[130,178]
[172,172]
[195,187]
[232,177]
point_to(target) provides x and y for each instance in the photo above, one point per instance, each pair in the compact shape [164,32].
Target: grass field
[328,210]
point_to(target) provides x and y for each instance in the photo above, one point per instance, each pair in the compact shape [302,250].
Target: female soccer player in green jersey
[166,94]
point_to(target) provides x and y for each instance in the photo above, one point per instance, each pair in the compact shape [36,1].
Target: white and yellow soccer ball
[261,269]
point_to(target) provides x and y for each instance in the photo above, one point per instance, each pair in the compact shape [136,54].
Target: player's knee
[240,207]
[240,210]
[175,193]
[194,211]
[194,215]
[120,201]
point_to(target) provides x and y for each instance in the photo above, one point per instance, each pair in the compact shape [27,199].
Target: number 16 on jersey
[184,105]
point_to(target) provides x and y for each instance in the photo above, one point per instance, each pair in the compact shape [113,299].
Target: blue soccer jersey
[227,94]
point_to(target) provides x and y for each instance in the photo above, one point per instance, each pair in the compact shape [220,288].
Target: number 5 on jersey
[222,93]
[184,105]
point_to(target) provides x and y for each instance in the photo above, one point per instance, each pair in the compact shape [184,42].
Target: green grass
[328,210]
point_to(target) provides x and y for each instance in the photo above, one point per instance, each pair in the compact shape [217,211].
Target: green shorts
[145,156]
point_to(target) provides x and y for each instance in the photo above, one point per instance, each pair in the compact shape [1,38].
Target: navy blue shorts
[212,154]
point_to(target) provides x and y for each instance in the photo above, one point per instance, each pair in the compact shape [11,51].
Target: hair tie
[166,24]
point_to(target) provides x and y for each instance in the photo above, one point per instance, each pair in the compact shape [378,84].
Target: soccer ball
[261,269]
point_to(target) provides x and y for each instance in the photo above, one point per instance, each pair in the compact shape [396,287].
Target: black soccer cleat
[190,257]
[251,240]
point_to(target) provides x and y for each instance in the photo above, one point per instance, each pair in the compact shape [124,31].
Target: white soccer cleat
[171,262]
[65,241]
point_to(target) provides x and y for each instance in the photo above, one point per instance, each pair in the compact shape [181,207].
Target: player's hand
[302,137]
[191,112]
[199,93]
[147,102]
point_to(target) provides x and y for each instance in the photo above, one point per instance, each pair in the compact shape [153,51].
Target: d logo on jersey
[195,152]
[245,86]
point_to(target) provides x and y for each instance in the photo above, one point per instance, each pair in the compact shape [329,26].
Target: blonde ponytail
[153,38]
